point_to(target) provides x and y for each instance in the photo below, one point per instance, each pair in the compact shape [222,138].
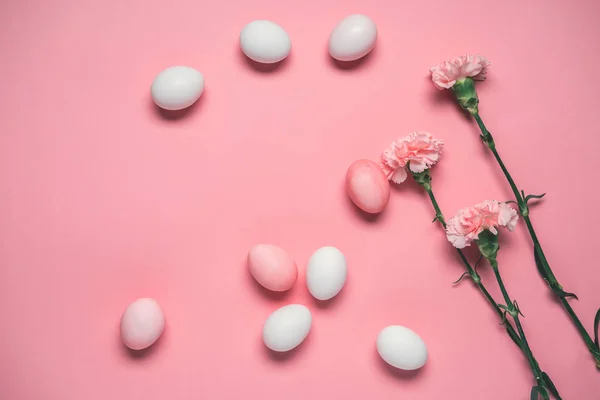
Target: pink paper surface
[104,200]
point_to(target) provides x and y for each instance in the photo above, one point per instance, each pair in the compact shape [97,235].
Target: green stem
[541,261]
[425,181]
[472,273]
[586,337]
[514,313]
[438,212]
[537,248]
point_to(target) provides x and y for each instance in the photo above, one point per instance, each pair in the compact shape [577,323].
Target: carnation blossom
[446,74]
[417,152]
[469,222]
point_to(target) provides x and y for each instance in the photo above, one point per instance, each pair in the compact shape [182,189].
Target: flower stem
[513,310]
[424,179]
[472,273]
[540,258]
[438,213]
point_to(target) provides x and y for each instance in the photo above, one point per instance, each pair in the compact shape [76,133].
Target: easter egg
[367,186]
[176,88]
[287,327]
[265,42]
[326,273]
[352,38]
[142,324]
[401,348]
[272,267]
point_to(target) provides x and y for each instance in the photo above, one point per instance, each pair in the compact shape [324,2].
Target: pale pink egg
[367,186]
[272,267]
[142,323]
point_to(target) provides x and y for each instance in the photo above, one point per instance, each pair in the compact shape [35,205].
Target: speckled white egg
[265,42]
[142,324]
[176,88]
[401,348]
[353,38]
[287,327]
[326,273]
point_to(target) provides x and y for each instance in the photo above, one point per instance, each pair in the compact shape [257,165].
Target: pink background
[103,199]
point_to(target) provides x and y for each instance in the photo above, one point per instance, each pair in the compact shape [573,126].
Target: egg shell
[326,273]
[142,323]
[367,186]
[265,42]
[272,267]
[176,88]
[352,38]
[401,348]
[287,327]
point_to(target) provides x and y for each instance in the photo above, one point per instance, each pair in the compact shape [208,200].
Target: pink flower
[417,151]
[469,222]
[446,74]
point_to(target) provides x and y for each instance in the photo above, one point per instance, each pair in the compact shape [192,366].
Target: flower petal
[399,175]
[507,216]
[419,149]
[417,166]
[458,241]
[445,74]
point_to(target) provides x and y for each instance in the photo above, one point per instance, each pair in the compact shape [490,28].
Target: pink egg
[272,267]
[142,324]
[367,186]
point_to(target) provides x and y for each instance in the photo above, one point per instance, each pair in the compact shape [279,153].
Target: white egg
[326,273]
[401,348]
[142,323]
[354,37]
[265,42]
[176,88]
[287,327]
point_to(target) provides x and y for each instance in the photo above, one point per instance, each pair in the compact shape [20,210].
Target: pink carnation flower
[469,222]
[446,74]
[417,151]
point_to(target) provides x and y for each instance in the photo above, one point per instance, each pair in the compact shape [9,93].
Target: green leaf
[534,393]
[460,279]
[513,335]
[540,266]
[567,294]
[555,286]
[596,323]
[561,293]
[550,385]
[516,305]
[534,196]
